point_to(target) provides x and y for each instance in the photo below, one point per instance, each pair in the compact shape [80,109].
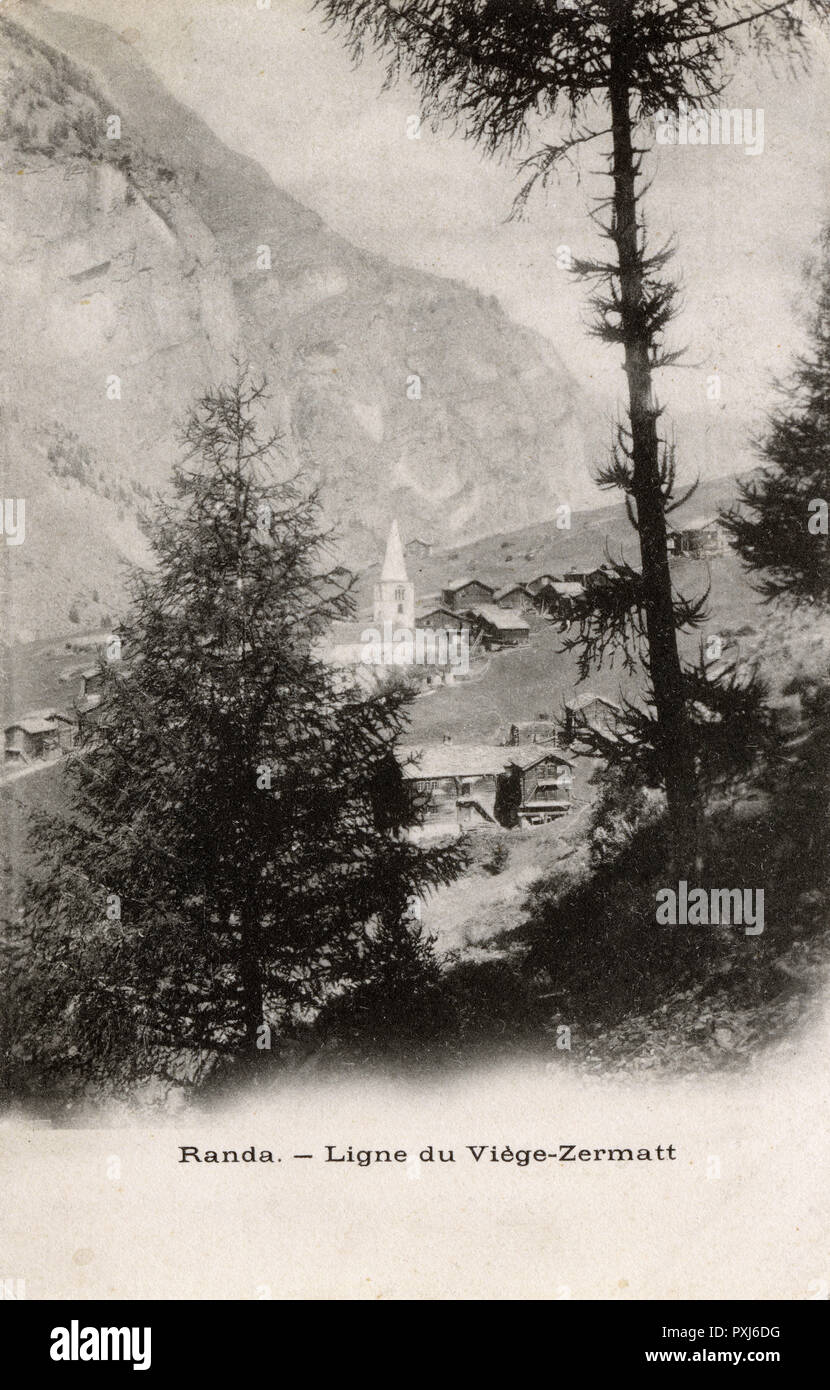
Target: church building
[394,594]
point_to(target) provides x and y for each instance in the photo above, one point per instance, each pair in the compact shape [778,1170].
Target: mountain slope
[144,258]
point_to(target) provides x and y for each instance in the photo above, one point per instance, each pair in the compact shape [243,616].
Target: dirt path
[482,904]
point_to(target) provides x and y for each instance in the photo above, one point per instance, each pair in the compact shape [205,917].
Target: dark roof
[510,589]
[530,754]
[439,608]
[462,584]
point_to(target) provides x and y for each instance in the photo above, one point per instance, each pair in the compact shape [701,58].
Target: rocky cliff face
[136,267]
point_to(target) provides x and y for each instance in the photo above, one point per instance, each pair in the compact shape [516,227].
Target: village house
[458,786]
[39,736]
[455,785]
[419,548]
[514,596]
[544,782]
[589,711]
[443,620]
[597,574]
[498,628]
[90,693]
[462,594]
[699,538]
[559,599]
[540,582]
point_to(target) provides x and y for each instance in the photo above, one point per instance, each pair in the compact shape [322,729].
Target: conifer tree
[591,70]
[780,528]
[233,850]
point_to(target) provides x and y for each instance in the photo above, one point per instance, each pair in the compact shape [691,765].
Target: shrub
[498,860]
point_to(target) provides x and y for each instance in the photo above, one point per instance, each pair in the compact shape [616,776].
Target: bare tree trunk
[664,660]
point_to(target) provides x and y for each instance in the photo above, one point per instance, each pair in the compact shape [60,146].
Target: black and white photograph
[415,674]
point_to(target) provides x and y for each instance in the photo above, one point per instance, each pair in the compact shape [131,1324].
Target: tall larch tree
[596,70]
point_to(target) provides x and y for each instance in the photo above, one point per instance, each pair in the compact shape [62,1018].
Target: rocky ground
[696,1032]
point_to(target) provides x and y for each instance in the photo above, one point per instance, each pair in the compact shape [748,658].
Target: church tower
[394,595]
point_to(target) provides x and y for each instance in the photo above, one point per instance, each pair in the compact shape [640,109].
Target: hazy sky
[274,84]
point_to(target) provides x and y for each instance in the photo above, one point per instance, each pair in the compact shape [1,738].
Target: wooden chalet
[559,599]
[458,785]
[464,593]
[39,736]
[497,627]
[513,596]
[442,619]
[589,711]
[455,784]
[544,780]
[421,549]
[540,582]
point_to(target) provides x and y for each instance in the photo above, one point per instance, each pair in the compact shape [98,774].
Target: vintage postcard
[415,799]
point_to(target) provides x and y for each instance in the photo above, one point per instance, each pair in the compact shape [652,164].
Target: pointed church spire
[394,565]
